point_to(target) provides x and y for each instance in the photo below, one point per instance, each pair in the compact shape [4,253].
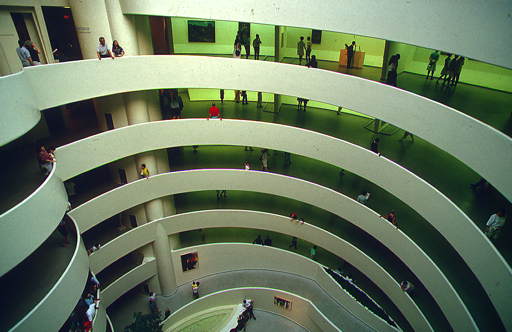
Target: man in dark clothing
[393,69]
[350,53]
[268,242]
[375,145]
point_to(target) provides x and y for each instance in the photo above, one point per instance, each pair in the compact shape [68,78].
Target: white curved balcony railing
[366,18]
[20,107]
[304,314]
[466,138]
[24,227]
[295,264]
[54,309]
[129,280]
[425,269]
[145,234]
[436,208]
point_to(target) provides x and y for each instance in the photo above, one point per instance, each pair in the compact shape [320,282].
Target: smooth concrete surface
[126,243]
[103,207]
[212,260]
[32,220]
[433,205]
[396,20]
[303,311]
[139,274]
[480,146]
[297,264]
[55,308]
[100,320]
[18,97]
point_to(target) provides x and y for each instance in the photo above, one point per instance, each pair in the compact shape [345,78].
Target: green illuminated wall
[229,95]
[225,33]
[414,59]
[332,42]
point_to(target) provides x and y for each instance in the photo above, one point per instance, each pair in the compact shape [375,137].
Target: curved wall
[213,262]
[54,309]
[179,223]
[129,280]
[483,148]
[20,109]
[304,312]
[477,19]
[243,256]
[476,250]
[32,220]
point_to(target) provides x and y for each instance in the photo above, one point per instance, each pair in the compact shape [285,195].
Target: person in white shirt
[103,51]
[247,166]
[363,198]
[495,224]
[248,305]
[91,311]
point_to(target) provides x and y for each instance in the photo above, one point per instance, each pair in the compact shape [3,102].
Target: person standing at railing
[363,198]
[103,51]
[24,54]
[407,286]
[46,160]
[117,49]
[34,53]
[495,224]
[144,172]
[214,112]
[391,217]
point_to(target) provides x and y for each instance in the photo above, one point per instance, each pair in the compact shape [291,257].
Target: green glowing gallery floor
[432,164]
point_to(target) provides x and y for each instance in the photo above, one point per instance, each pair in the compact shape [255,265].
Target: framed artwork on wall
[189,261]
[201,31]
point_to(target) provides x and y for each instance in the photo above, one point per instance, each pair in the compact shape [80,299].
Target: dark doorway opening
[62,33]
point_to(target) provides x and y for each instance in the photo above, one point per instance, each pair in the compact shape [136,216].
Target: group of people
[451,69]
[305,48]
[103,51]
[260,241]
[28,53]
[243,38]
[83,315]
[245,316]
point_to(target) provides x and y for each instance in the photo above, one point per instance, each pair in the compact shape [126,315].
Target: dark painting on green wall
[201,31]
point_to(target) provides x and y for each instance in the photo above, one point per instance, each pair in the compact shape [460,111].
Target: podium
[356,63]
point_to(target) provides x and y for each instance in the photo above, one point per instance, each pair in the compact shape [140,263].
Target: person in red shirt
[391,217]
[214,112]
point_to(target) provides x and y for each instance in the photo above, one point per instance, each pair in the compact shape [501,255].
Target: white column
[123,27]
[164,265]
[136,107]
[91,22]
